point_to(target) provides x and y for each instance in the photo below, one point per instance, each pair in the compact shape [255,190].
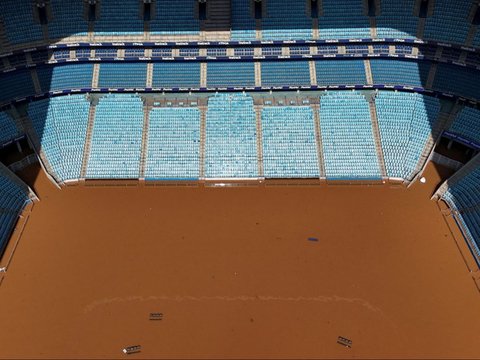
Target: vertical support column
[318,140]
[88,142]
[146,125]
[203,138]
[315,29]
[258,114]
[431,76]
[342,50]
[313,73]
[285,51]
[28,58]
[36,82]
[258,74]
[95,76]
[73,54]
[392,49]
[368,72]
[377,138]
[203,75]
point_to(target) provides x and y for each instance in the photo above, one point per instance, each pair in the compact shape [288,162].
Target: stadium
[239,179]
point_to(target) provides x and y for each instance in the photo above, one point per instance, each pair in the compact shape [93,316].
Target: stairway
[218,23]
[203,136]
[377,138]
[146,125]
[318,139]
[258,115]
[88,142]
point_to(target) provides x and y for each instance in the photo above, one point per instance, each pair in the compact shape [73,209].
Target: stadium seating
[173,144]
[465,84]
[243,23]
[18,19]
[347,136]
[340,72]
[13,198]
[396,20]
[61,127]
[67,20]
[286,20]
[289,147]
[467,124]
[78,76]
[464,200]
[400,72]
[167,74]
[8,129]
[175,17]
[15,85]
[117,138]
[231,142]
[223,74]
[285,73]
[119,18]
[343,19]
[405,121]
[133,75]
[449,22]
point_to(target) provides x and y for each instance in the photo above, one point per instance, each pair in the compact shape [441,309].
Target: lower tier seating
[467,124]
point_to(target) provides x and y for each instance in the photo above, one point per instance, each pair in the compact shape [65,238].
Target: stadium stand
[77,76]
[116,138]
[168,75]
[286,20]
[463,198]
[15,85]
[61,127]
[465,84]
[349,155]
[467,124]
[14,196]
[285,73]
[340,72]
[8,129]
[289,147]
[343,19]
[175,17]
[119,18]
[15,16]
[223,74]
[134,75]
[405,121]
[243,23]
[67,20]
[396,19]
[449,22]
[231,141]
[400,72]
[173,144]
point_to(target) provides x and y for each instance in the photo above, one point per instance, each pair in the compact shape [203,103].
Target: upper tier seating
[465,83]
[15,85]
[347,136]
[449,22]
[464,198]
[286,20]
[243,23]
[173,144]
[467,124]
[400,72]
[119,18]
[175,17]
[133,75]
[405,121]
[13,197]
[289,147]
[78,76]
[20,26]
[67,19]
[117,138]
[285,73]
[8,129]
[343,19]
[223,74]
[168,75]
[340,72]
[61,127]
[396,20]
[231,141]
